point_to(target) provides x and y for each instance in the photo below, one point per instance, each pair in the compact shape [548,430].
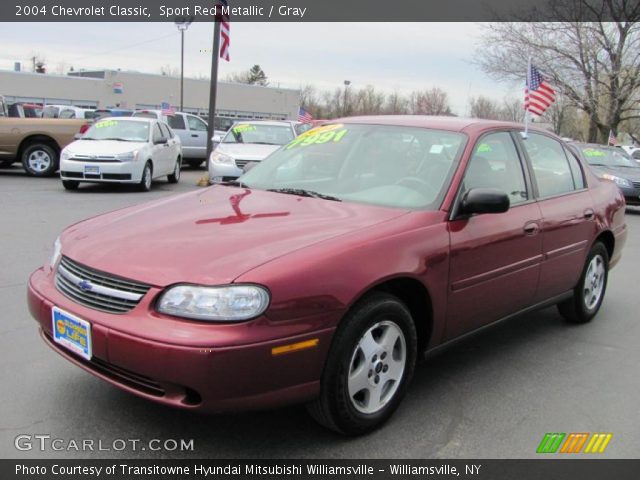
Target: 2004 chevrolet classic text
[324,272]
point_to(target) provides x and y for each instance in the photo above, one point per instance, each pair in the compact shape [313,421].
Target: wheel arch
[607,238]
[37,138]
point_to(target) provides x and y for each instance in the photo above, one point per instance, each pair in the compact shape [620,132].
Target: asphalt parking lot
[494,396]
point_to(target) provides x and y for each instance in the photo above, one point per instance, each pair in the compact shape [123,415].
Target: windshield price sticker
[106,123]
[243,128]
[590,152]
[318,138]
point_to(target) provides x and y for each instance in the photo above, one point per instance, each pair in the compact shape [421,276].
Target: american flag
[304,116]
[167,109]
[538,94]
[225,36]
[613,140]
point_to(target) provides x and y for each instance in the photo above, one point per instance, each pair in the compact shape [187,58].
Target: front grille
[94,158]
[127,377]
[116,176]
[636,184]
[241,163]
[98,290]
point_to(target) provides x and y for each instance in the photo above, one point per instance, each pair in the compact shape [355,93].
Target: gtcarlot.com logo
[46,443]
[574,443]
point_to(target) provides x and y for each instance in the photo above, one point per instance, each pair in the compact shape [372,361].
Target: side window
[176,121]
[157,134]
[67,114]
[576,170]
[166,131]
[196,124]
[550,165]
[495,164]
[302,127]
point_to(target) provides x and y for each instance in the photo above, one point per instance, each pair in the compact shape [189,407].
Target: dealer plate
[72,332]
[91,170]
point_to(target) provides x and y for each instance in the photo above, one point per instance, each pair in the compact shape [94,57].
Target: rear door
[197,135]
[495,258]
[568,219]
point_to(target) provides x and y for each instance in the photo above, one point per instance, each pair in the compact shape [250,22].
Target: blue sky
[389,56]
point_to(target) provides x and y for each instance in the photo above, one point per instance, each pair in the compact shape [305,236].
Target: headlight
[218,157]
[66,155]
[219,304]
[56,254]
[622,182]
[127,157]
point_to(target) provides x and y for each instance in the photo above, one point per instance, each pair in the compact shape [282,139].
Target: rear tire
[39,160]
[145,181]
[70,184]
[368,368]
[175,176]
[589,293]
[194,163]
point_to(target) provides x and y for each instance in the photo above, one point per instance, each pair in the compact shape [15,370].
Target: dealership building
[134,90]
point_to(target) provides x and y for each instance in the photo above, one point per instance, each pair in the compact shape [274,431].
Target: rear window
[176,121]
[50,112]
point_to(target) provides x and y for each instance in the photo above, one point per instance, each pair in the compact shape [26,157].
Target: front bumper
[119,172]
[189,364]
[222,172]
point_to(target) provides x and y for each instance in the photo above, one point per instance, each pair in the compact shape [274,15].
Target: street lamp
[182,23]
[346,86]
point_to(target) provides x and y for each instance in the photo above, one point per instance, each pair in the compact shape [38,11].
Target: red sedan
[324,272]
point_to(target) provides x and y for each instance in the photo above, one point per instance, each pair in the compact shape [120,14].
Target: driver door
[495,258]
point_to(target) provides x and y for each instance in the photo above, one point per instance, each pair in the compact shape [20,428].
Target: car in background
[25,110]
[247,143]
[324,273]
[3,107]
[613,164]
[112,112]
[67,111]
[191,129]
[122,150]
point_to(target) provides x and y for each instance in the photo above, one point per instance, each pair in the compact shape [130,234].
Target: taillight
[84,128]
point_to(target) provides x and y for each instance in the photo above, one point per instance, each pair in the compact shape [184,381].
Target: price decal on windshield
[317,138]
[106,123]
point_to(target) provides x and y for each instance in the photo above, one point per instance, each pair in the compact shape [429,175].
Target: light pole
[182,23]
[346,86]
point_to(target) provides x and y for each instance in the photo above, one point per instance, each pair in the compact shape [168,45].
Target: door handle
[195,135]
[589,214]
[531,228]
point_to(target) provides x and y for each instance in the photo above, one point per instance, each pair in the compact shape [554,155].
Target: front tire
[175,176]
[145,181]
[39,160]
[369,366]
[589,293]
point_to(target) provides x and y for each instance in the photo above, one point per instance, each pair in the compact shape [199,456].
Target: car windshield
[115,129]
[259,133]
[610,157]
[391,166]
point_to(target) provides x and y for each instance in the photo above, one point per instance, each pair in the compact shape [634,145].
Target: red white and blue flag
[225,35]
[538,94]
[167,109]
[304,116]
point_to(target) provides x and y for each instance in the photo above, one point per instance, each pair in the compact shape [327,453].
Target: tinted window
[50,112]
[495,164]
[196,124]
[302,127]
[67,114]
[550,165]
[636,154]
[176,121]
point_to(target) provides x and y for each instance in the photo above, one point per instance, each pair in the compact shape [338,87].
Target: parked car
[25,110]
[613,164]
[36,142]
[122,150]
[323,273]
[191,129]
[112,112]
[3,107]
[67,111]
[248,142]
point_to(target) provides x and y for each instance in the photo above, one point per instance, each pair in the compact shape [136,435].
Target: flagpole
[213,87]
[527,113]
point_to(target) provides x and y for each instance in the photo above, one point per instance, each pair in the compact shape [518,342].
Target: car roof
[131,119]
[453,124]
[280,123]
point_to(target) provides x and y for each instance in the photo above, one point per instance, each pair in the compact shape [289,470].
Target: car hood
[212,236]
[102,147]
[630,173]
[247,151]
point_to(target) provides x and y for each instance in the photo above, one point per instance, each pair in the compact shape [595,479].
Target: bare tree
[596,65]
[484,107]
[434,101]
[396,104]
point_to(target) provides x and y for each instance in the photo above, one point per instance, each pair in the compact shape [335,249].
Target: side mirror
[216,138]
[484,200]
[160,141]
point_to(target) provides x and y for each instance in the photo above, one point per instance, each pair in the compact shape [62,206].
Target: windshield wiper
[304,193]
[87,138]
[264,143]
[118,139]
